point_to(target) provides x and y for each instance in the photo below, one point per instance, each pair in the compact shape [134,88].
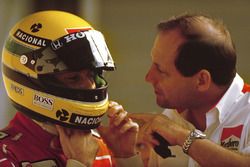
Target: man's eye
[158,69]
[161,71]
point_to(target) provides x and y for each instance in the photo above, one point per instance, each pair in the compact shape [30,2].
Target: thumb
[102,130]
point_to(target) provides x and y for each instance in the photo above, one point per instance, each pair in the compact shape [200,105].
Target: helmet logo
[56,44]
[23,59]
[42,101]
[36,27]
[62,115]
[17,89]
[67,39]
[31,39]
[85,120]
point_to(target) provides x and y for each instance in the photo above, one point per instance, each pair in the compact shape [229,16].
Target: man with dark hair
[194,77]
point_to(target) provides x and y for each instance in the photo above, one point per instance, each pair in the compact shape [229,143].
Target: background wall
[129,28]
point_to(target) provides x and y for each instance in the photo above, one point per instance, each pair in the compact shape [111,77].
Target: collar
[33,130]
[220,111]
[36,132]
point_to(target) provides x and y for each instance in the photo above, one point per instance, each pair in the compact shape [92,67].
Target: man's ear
[203,81]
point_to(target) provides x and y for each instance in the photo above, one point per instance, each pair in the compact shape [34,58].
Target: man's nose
[86,80]
[149,75]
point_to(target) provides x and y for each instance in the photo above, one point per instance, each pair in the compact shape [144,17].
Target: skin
[77,144]
[121,134]
[196,95]
[81,145]
[163,75]
[143,147]
[77,79]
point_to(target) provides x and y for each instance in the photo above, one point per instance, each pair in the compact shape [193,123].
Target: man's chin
[162,104]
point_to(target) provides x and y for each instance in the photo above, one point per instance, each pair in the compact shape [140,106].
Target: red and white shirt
[228,124]
[24,144]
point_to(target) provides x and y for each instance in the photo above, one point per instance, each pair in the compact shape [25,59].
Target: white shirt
[228,124]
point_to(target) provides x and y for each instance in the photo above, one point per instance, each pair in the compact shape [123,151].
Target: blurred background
[129,28]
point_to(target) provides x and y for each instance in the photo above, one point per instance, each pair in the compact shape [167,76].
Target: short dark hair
[208,46]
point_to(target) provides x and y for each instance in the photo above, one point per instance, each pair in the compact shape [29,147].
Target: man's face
[77,80]
[171,88]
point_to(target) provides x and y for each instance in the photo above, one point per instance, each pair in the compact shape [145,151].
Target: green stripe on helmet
[14,47]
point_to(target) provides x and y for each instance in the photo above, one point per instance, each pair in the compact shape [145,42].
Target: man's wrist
[125,155]
[193,135]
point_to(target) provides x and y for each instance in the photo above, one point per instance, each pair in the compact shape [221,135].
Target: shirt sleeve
[74,163]
[134,161]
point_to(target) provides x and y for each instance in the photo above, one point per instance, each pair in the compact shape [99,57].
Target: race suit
[23,143]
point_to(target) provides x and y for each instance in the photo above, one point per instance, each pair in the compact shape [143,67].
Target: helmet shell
[23,85]
[49,25]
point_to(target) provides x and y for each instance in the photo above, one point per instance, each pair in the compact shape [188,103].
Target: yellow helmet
[48,42]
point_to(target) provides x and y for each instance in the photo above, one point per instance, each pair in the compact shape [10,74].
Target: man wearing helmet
[52,65]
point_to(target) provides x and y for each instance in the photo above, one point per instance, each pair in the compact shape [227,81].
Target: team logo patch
[85,120]
[62,115]
[31,39]
[17,89]
[230,137]
[42,101]
[57,44]
[36,27]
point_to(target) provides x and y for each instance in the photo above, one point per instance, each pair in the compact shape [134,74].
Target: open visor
[72,52]
[75,51]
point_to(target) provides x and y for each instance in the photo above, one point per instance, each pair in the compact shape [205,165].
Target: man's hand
[174,131]
[78,145]
[121,134]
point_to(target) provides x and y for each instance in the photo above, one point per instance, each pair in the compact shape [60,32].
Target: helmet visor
[75,51]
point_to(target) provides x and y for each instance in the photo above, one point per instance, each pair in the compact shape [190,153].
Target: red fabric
[23,143]
[246,88]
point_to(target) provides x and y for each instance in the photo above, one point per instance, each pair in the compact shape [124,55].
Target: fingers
[141,118]
[64,140]
[114,109]
[118,118]
[112,103]
[59,129]
[123,124]
[116,114]
[73,141]
[129,125]
[145,133]
[61,132]
[103,130]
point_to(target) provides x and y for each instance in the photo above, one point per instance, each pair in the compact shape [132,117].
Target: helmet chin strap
[48,127]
